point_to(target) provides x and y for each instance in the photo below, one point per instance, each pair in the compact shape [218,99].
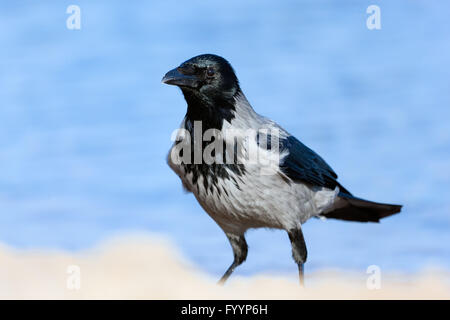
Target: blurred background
[85,123]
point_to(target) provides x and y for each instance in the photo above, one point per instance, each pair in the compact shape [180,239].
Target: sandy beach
[151,268]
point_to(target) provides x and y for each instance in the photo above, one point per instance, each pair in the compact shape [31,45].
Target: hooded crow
[260,176]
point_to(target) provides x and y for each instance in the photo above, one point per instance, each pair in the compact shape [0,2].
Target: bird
[289,184]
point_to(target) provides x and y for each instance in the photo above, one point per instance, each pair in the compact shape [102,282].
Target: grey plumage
[293,185]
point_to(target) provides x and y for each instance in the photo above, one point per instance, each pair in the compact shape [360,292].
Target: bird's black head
[209,85]
[206,74]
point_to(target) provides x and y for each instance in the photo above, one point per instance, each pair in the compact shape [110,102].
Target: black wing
[303,164]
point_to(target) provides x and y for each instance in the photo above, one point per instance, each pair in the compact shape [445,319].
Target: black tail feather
[356,209]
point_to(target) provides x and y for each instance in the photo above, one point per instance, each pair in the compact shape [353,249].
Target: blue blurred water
[85,123]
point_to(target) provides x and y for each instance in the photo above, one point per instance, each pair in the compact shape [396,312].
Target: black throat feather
[212,112]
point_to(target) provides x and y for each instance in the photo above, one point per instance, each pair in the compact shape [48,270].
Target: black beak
[176,78]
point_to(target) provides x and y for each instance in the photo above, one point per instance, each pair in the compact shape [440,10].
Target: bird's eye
[210,72]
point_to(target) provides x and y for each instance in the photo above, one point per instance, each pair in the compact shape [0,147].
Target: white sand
[149,268]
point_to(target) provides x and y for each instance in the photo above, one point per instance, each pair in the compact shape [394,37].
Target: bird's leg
[240,249]
[299,252]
